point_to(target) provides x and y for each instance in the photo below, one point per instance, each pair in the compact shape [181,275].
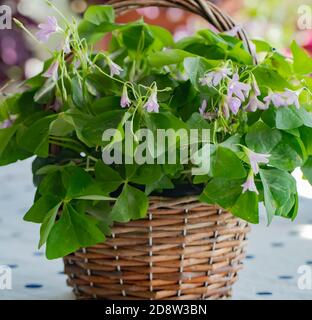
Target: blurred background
[275,254]
[273,20]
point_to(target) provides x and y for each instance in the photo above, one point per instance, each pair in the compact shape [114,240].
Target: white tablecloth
[270,272]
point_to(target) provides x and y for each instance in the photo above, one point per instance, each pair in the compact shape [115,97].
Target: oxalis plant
[259,118]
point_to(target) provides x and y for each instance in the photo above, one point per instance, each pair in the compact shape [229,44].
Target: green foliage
[62,121]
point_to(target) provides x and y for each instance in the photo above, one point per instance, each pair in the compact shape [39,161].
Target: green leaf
[92,130]
[106,177]
[168,57]
[302,60]
[305,135]
[262,46]
[261,138]
[246,207]
[270,78]
[137,38]
[52,185]
[42,207]
[95,197]
[290,209]
[196,121]
[164,183]
[278,188]
[92,32]
[163,35]
[211,37]
[80,185]
[35,139]
[100,13]
[226,164]
[144,174]
[5,137]
[196,68]
[46,93]
[288,154]
[73,231]
[305,116]
[222,191]
[307,169]
[47,224]
[288,118]
[132,204]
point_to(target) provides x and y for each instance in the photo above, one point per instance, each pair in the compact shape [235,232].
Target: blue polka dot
[309,262]
[16,234]
[33,286]
[61,272]
[293,233]
[13,266]
[6,197]
[277,244]
[264,293]
[285,277]
[38,254]
[250,257]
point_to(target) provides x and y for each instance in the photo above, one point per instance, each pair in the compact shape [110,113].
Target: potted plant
[129,222]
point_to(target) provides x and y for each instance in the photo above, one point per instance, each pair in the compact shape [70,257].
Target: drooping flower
[206,115]
[256,158]
[6,124]
[47,29]
[283,99]
[214,78]
[114,68]
[125,101]
[66,47]
[239,89]
[225,109]
[250,185]
[255,104]
[52,71]
[292,97]
[255,87]
[203,107]
[234,104]
[152,103]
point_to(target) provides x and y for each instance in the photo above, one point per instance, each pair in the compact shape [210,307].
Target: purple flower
[66,47]
[250,185]
[283,99]
[125,101]
[254,104]
[152,103]
[114,68]
[256,158]
[292,98]
[206,115]
[6,124]
[255,87]
[47,29]
[52,72]
[214,78]
[225,109]
[203,107]
[239,89]
[234,104]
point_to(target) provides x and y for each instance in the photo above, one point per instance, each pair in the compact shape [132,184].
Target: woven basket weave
[183,249]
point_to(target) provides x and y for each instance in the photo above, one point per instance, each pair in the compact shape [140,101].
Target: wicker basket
[183,249]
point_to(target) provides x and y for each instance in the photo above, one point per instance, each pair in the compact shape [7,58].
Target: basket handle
[204,8]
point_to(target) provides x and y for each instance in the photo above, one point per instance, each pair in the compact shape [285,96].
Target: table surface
[270,268]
